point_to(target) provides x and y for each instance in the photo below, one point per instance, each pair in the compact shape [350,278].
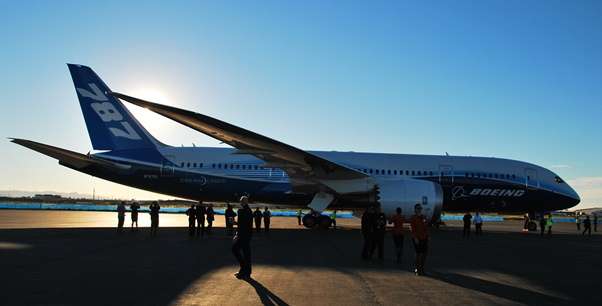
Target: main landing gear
[316,221]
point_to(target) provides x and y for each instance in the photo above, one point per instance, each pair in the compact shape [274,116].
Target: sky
[512,79]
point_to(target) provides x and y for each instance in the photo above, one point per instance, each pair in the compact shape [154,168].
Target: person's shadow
[267,297]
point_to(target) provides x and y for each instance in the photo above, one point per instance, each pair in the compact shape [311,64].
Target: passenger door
[167,168]
[446,175]
[531,181]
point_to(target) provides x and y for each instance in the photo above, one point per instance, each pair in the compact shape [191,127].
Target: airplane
[273,172]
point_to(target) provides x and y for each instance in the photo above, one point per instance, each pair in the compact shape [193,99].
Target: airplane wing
[301,166]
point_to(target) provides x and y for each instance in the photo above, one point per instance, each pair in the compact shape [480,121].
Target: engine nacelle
[406,193]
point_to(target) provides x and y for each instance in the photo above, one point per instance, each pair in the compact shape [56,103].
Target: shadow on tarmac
[99,266]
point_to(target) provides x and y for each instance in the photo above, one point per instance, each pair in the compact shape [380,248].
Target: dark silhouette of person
[420,238]
[578,222]
[587,226]
[333,217]
[368,219]
[134,214]
[241,248]
[542,224]
[397,233]
[191,213]
[154,214]
[267,216]
[595,222]
[257,215]
[210,217]
[229,216]
[526,223]
[478,224]
[378,238]
[467,220]
[120,216]
[299,216]
[200,219]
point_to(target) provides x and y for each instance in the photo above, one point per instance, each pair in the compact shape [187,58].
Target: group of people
[374,224]
[468,220]
[197,214]
[587,224]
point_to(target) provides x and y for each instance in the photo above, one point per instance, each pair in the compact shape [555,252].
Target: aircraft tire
[309,221]
[324,222]
[532,226]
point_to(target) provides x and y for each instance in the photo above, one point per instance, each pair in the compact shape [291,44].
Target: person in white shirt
[478,223]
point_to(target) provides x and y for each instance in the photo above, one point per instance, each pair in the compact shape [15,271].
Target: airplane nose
[574,197]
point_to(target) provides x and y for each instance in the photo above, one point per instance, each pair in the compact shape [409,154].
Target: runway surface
[75,258]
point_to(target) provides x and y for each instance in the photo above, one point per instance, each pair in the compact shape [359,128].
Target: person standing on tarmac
[467,220]
[120,216]
[542,224]
[242,240]
[419,238]
[257,215]
[378,238]
[134,214]
[229,215]
[549,223]
[397,233]
[526,224]
[333,217]
[299,216]
[368,219]
[478,224]
[578,222]
[267,216]
[595,222]
[587,226]
[154,214]
[200,219]
[210,218]
[191,213]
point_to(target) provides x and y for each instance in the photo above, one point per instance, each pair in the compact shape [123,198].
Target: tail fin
[110,125]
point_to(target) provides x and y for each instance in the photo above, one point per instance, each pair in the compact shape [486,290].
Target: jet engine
[406,193]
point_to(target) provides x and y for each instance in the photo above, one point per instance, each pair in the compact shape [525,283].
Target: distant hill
[73,195]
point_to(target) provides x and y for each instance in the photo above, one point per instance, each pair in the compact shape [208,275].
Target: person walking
[257,215]
[241,248]
[578,222]
[527,220]
[378,238]
[120,216]
[368,220]
[397,220]
[333,217]
[134,214]
[267,216]
[191,213]
[587,226]
[299,216]
[467,220]
[154,214]
[200,219]
[478,224]
[229,216]
[420,238]
[210,217]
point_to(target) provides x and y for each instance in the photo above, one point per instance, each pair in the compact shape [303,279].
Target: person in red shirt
[397,222]
[419,238]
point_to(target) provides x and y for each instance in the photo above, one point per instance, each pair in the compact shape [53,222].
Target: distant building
[47,197]
[590,211]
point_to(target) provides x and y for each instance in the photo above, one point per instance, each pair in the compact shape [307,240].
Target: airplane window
[394,172]
[182,165]
[407,172]
[193,165]
[431,173]
[201,165]
[377,172]
[558,180]
[213,166]
[382,171]
[389,172]
[419,173]
[413,173]
[370,171]
[237,166]
[188,165]
[513,176]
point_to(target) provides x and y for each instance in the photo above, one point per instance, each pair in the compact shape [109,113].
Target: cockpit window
[558,179]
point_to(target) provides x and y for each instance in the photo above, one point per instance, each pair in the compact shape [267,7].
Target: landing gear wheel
[532,226]
[325,222]
[309,221]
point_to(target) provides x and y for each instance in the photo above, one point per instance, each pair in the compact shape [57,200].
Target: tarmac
[75,258]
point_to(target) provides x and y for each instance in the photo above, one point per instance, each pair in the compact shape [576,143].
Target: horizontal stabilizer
[66,157]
